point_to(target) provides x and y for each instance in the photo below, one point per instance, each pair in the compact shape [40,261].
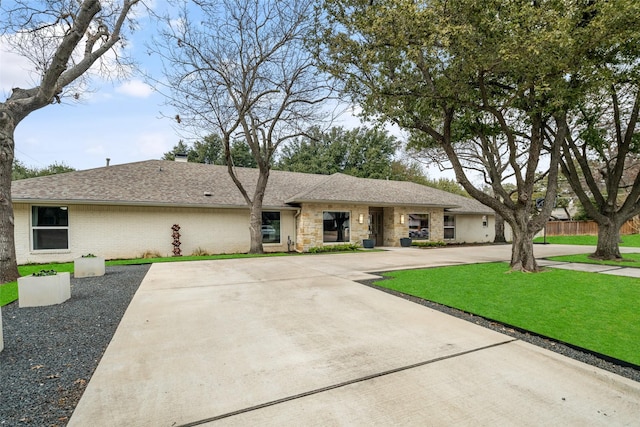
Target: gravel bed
[51,352]
[609,364]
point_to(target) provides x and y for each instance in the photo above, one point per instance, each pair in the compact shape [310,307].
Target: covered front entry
[376,226]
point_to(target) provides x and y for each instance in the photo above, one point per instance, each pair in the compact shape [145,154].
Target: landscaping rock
[51,352]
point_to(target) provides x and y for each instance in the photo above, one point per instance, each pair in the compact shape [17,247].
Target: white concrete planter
[37,291]
[88,267]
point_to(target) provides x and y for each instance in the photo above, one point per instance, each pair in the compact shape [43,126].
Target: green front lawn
[594,311]
[629,240]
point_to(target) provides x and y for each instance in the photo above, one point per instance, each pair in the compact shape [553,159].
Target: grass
[629,260]
[628,240]
[9,291]
[594,311]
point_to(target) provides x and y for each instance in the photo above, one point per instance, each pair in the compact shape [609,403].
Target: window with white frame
[270,227]
[49,227]
[449,227]
[485,221]
[335,226]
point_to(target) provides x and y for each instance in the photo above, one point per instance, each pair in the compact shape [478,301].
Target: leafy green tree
[365,153]
[210,150]
[180,148]
[241,155]
[489,83]
[20,171]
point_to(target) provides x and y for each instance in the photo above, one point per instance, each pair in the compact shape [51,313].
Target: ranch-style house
[124,211]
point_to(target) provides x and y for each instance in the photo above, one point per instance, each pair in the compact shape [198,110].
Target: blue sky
[120,120]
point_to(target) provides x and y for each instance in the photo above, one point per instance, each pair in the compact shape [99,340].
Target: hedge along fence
[577,228]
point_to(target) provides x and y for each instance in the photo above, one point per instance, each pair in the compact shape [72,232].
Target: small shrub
[43,273]
[200,252]
[150,254]
[334,248]
[89,256]
[428,243]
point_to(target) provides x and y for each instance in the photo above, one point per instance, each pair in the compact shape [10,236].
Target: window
[335,227]
[50,227]
[270,227]
[485,221]
[449,227]
[419,226]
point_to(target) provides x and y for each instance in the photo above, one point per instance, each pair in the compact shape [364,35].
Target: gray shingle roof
[162,182]
[348,189]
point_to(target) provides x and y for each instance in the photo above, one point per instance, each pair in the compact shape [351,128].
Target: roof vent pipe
[180,157]
[108,160]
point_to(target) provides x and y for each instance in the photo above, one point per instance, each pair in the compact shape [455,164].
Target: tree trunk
[608,241]
[255,228]
[522,257]
[8,264]
[255,209]
[499,237]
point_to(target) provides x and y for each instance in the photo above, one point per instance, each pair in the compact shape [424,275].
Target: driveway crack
[343,384]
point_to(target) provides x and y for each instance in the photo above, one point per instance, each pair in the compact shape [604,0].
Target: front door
[376,226]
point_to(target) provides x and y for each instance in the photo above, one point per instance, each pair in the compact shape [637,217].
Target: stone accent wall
[310,225]
[394,230]
[436,224]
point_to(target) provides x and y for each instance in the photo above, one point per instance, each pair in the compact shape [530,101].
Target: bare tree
[62,41]
[239,68]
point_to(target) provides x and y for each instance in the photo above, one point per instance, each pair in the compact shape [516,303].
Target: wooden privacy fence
[574,228]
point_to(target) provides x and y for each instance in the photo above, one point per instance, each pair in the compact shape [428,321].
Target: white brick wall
[128,231]
[469,229]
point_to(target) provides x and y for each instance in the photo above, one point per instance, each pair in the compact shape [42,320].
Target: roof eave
[371,203]
[142,203]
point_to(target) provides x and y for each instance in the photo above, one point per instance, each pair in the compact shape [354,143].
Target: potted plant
[405,242]
[88,266]
[46,287]
[368,243]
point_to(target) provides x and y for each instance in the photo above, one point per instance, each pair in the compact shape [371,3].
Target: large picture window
[449,227]
[50,227]
[335,227]
[419,226]
[270,227]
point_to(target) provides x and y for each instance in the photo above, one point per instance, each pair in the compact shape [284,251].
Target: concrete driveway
[295,341]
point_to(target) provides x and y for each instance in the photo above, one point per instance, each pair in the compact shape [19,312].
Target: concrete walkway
[295,341]
[592,268]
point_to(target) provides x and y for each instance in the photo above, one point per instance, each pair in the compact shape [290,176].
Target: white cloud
[153,145]
[135,88]
[19,55]
[16,70]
